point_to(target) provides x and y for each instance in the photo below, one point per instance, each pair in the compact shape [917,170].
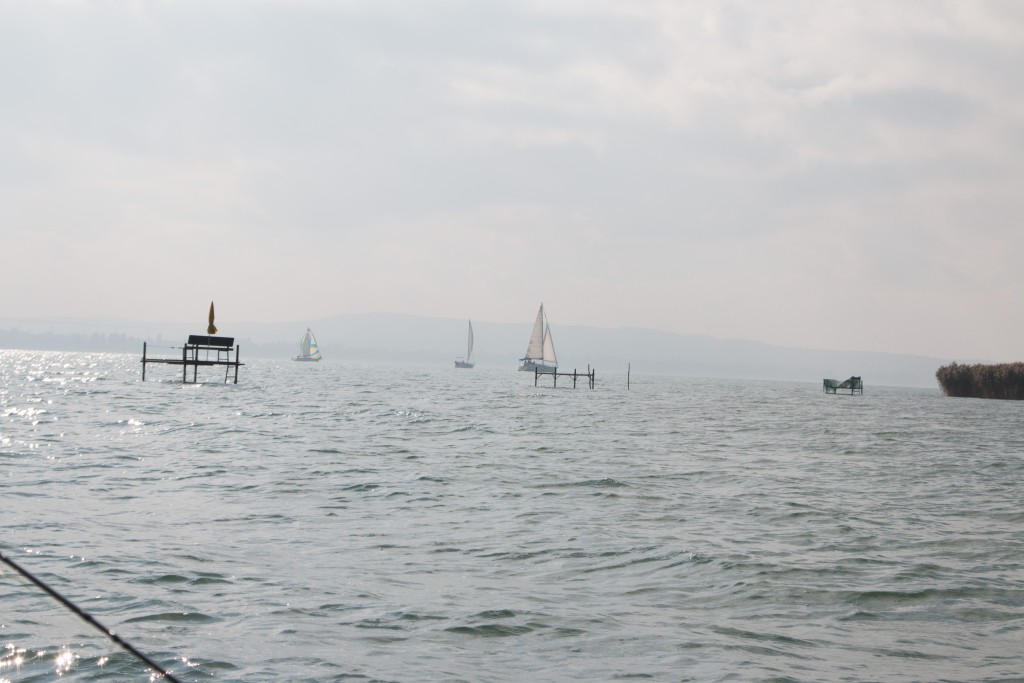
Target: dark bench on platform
[200,349]
[204,342]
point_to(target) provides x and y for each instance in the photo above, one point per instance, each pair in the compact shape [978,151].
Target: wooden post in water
[629,366]
[143,361]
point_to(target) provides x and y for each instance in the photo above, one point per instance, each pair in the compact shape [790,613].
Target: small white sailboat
[467,361]
[540,353]
[309,350]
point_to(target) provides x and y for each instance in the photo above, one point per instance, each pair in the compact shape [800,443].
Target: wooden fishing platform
[555,374]
[200,350]
[854,385]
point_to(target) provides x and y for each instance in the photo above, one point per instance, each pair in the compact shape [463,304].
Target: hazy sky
[842,175]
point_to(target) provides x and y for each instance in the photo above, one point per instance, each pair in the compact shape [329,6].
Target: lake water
[343,522]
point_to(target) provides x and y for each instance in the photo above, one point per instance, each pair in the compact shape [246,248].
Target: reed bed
[1003,381]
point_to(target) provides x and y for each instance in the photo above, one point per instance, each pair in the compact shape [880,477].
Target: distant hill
[406,338]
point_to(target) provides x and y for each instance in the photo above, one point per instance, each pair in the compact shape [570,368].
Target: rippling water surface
[341,522]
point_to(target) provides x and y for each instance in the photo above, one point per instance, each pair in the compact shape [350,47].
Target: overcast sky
[838,175]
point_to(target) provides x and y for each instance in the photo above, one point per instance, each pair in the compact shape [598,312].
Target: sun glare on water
[64,660]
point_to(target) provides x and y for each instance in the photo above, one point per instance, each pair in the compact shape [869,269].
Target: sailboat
[467,362]
[309,351]
[540,353]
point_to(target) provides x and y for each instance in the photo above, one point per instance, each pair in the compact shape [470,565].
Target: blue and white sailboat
[309,351]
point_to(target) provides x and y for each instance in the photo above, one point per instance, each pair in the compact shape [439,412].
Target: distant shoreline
[392,338]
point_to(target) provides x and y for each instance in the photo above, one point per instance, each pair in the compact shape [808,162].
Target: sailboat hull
[306,360]
[463,364]
[530,366]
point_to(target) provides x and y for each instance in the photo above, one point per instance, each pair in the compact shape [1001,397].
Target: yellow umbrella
[212,329]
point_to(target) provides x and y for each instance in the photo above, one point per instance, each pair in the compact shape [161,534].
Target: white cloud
[741,169]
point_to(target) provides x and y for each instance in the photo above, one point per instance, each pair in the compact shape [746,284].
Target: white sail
[549,357]
[467,360]
[540,354]
[535,350]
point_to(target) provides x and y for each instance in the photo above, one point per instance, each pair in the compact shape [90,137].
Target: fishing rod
[88,618]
